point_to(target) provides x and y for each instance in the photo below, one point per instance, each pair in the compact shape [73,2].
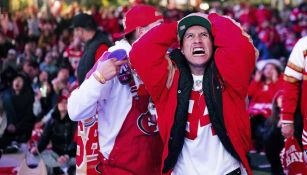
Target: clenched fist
[287,130]
[110,68]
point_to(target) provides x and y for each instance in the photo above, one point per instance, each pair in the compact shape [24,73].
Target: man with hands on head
[128,137]
[199,92]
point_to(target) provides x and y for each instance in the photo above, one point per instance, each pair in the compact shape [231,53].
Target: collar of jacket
[178,132]
[213,97]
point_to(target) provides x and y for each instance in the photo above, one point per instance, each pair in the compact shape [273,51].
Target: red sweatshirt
[263,93]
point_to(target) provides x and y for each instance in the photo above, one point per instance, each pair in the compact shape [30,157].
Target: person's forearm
[289,101]
[148,57]
[82,102]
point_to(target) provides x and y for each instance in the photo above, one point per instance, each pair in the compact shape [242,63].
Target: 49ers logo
[147,123]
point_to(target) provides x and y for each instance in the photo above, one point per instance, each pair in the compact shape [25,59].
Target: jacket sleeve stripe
[304,137]
[292,73]
[295,67]
[305,134]
[290,79]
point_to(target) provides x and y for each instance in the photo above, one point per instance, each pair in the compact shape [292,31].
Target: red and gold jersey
[87,147]
[295,86]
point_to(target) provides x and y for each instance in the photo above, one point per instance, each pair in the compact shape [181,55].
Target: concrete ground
[259,162]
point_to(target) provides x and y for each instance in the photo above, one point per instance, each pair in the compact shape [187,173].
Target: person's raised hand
[110,68]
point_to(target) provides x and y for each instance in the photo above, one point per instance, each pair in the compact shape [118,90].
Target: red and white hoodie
[129,141]
[295,86]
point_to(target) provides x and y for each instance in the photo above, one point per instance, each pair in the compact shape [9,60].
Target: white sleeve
[82,102]
[295,64]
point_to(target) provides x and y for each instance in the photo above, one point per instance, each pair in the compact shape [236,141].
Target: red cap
[140,16]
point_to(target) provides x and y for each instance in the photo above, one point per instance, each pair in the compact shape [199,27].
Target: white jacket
[112,102]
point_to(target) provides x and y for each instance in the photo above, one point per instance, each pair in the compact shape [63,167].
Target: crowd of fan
[39,56]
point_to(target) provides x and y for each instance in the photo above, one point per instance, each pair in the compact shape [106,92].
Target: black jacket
[60,133]
[87,60]
[19,109]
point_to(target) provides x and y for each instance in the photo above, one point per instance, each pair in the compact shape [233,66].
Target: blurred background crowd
[39,56]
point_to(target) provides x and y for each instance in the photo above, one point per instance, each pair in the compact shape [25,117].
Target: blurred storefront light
[181,2]
[204,6]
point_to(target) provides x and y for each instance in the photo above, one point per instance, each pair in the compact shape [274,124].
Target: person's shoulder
[121,44]
[55,116]
[104,37]
[7,94]
[100,34]
[302,41]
